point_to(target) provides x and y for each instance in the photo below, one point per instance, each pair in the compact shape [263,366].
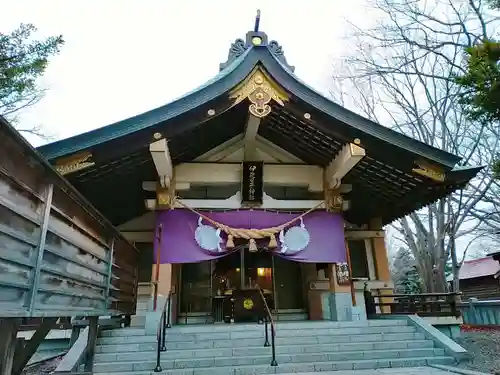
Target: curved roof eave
[223,82]
[303,91]
[226,79]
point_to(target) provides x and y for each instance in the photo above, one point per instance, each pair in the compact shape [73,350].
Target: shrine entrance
[210,290]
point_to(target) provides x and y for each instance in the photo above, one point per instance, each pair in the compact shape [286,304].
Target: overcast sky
[125,57]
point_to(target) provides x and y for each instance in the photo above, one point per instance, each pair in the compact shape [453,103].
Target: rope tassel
[252,245]
[230,242]
[273,244]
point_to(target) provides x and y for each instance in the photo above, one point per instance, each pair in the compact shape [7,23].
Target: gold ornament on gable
[260,90]
[430,172]
[74,163]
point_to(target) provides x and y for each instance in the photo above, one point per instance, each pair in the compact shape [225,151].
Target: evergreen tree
[23,61]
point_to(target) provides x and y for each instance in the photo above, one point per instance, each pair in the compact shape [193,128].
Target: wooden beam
[153,186]
[345,160]
[8,329]
[25,353]
[364,234]
[163,162]
[309,176]
[75,354]
[226,151]
[223,150]
[251,131]
[276,151]
[234,202]
[91,341]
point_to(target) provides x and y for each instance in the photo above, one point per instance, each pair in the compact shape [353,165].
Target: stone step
[175,336]
[202,328]
[256,331]
[143,347]
[123,332]
[205,342]
[256,346]
[295,341]
[228,358]
[145,367]
[123,354]
[138,321]
[151,345]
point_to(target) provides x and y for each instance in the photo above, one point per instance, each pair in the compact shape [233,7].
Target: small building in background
[479,278]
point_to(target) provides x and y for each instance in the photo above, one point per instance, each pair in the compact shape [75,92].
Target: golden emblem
[260,91]
[429,171]
[248,304]
[74,163]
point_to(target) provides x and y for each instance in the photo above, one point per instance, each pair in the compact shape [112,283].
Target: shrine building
[255,181]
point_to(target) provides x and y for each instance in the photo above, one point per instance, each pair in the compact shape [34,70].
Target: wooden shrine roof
[384,181]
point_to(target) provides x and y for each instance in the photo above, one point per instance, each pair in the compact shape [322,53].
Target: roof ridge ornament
[257,22]
[260,90]
[259,39]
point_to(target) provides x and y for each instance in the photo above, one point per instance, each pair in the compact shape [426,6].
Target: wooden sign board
[252,182]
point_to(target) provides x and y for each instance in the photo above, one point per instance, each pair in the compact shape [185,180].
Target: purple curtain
[178,244]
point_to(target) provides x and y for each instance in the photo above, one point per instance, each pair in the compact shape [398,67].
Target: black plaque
[252,182]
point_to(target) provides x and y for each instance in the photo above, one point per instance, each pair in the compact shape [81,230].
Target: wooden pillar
[165,278]
[26,351]
[8,343]
[91,341]
[175,285]
[381,261]
[380,253]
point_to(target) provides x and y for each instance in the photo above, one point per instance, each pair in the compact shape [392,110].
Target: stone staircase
[238,349]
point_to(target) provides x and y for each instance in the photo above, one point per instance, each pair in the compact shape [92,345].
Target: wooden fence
[59,256]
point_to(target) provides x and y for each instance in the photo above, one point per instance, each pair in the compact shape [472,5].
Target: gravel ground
[484,348]
[43,368]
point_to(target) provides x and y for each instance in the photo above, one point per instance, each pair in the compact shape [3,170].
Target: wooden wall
[480,288]
[58,255]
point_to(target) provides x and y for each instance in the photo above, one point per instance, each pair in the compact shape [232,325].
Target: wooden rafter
[346,159]
[162,160]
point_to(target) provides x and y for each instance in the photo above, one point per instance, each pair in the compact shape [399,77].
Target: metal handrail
[161,332]
[269,318]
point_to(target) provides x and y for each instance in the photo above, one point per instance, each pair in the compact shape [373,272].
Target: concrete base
[449,325]
[152,322]
[338,307]
[452,331]
[152,318]
[440,339]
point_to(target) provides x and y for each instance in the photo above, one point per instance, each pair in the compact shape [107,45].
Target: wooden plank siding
[58,255]
[482,288]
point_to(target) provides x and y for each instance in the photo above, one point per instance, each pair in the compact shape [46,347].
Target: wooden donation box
[248,305]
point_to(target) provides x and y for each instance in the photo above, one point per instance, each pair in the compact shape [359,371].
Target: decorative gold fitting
[74,163]
[260,90]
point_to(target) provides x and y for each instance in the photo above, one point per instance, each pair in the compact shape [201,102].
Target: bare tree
[402,74]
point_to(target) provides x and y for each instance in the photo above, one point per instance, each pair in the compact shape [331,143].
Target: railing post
[109,276]
[169,309]
[273,346]
[474,315]
[158,350]
[164,329]
[91,340]
[266,343]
